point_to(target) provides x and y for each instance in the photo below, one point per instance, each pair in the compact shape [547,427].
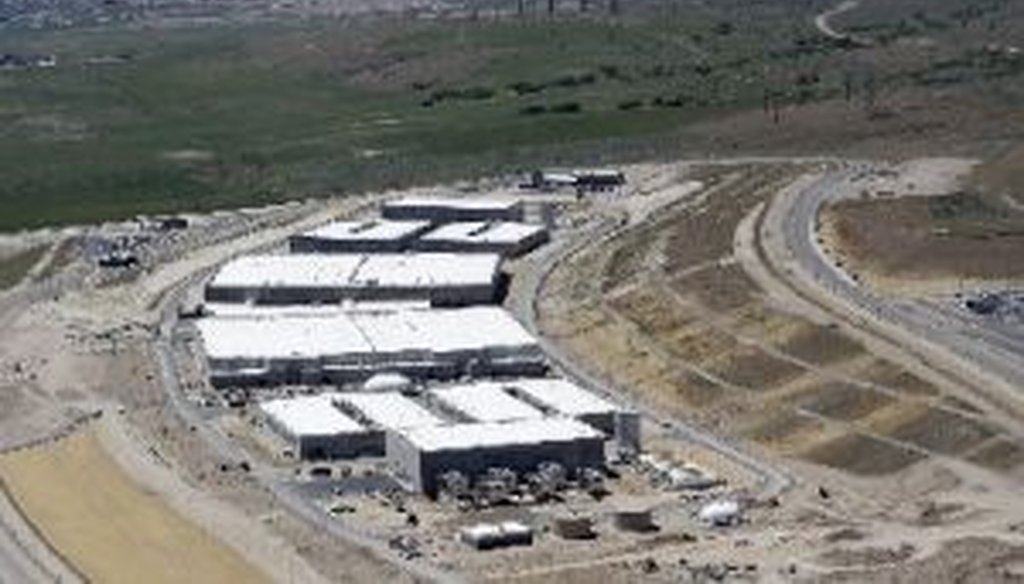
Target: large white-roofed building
[565,398]
[448,209]
[386,411]
[374,236]
[441,278]
[484,401]
[349,347]
[419,456]
[507,238]
[316,429]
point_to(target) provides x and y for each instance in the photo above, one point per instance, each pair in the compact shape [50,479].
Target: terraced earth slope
[665,311]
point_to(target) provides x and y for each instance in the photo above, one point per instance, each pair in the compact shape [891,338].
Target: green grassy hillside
[204,117]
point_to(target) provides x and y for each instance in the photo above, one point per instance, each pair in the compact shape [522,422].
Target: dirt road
[823,24]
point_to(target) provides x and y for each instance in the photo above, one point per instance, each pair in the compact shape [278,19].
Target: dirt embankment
[953,238]
[86,506]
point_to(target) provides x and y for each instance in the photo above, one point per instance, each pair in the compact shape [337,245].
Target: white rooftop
[358,270]
[443,331]
[374,230]
[428,269]
[313,415]
[226,309]
[390,410]
[497,434]
[486,402]
[455,202]
[483,232]
[291,336]
[297,270]
[281,337]
[563,396]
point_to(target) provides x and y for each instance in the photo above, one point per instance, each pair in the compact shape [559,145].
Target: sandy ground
[862,528]
[86,350]
[67,486]
[76,349]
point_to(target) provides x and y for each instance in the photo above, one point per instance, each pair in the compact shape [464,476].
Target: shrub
[569,107]
[526,87]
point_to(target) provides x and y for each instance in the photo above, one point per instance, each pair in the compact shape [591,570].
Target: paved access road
[992,357]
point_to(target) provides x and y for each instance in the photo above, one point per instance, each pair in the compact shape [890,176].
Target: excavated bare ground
[665,311]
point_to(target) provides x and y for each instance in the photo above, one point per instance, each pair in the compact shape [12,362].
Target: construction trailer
[381,412]
[484,401]
[599,179]
[421,456]
[316,429]
[452,209]
[443,279]
[352,347]
[375,236]
[506,238]
[551,180]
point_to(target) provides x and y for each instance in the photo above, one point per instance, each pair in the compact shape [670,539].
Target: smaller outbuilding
[599,179]
[376,236]
[449,209]
[592,179]
[509,239]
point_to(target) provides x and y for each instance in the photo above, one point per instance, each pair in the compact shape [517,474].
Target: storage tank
[387,382]
[720,513]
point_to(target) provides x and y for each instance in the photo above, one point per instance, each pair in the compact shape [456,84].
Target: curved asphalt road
[988,350]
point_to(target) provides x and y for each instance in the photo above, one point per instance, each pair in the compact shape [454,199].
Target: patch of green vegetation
[199,118]
[15,268]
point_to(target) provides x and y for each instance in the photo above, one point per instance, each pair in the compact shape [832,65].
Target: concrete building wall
[399,211]
[312,244]
[523,363]
[506,249]
[605,422]
[340,446]
[277,295]
[330,446]
[419,470]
